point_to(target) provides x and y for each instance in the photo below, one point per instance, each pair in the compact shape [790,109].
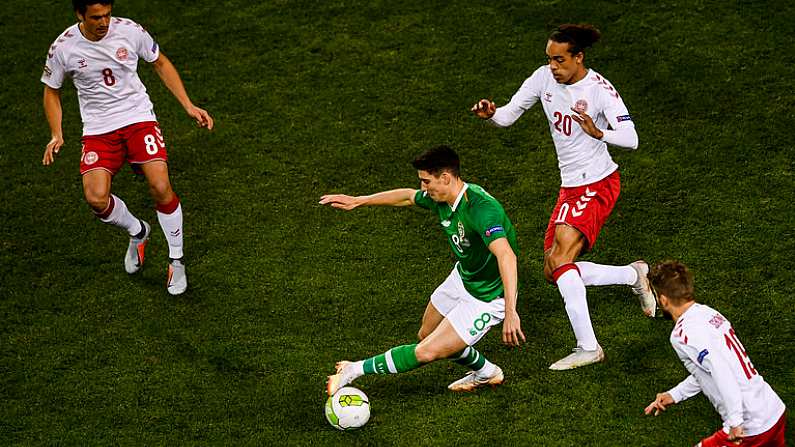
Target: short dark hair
[672,279]
[579,37]
[437,160]
[82,5]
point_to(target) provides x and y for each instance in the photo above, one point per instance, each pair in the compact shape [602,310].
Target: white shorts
[471,318]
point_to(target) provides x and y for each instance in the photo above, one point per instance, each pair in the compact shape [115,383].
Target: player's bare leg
[430,321]
[560,269]
[169,214]
[112,210]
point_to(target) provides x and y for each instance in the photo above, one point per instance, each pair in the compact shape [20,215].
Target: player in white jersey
[718,364]
[100,54]
[585,114]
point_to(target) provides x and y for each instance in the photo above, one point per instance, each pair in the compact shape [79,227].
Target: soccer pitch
[321,97]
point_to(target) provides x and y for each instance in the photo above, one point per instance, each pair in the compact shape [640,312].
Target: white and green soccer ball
[348,408]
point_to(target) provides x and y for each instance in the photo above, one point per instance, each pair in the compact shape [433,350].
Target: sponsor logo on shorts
[90,158]
[701,356]
[480,323]
[622,118]
[121,54]
[581,105]
[494,229]
[47,72]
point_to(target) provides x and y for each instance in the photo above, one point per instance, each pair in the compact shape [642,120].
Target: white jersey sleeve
[710,350]
[621,131]
[527,95]
[146,47]
[710,358]
[685,390]
[55,66]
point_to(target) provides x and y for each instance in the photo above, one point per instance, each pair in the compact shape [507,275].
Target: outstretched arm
[170,77]
[506,261]
[395,197]
[54,113]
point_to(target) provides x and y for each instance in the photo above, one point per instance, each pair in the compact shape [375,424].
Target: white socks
[172,227]
[606,275]
[117,214]
[572,288]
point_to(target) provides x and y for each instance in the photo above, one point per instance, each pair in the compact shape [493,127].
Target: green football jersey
[471,224]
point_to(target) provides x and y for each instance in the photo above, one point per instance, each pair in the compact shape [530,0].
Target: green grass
[338,96]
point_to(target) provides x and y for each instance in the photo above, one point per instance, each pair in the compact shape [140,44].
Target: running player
[479,293]
[571,93]
[100,54]
[719,366]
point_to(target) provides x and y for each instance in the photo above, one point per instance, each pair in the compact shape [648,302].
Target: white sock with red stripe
[606,275]
[572,288]
[170,218]
[117,214]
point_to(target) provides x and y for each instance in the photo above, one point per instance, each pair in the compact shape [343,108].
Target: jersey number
[734,344]
[563,123]
[154,142]
[107,76]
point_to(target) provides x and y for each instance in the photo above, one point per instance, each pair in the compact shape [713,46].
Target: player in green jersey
[479,293]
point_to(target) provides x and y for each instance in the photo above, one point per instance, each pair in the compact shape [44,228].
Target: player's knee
[161,191]
[97,198]
[551,262]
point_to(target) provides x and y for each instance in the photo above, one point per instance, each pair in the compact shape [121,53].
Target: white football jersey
[719,366]
[105,74]
[582,159]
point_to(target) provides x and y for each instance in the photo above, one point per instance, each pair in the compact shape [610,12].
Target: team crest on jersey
[548,97]
[90,158]
[81,63]
[581,105]
[121,54]
[717,320]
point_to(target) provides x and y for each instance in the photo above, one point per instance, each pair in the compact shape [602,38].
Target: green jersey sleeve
[423,200]
[489,221]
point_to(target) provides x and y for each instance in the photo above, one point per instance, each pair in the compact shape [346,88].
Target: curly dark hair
[579,37]
[81,5]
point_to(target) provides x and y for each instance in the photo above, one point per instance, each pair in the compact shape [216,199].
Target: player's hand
[736,434]
[52,149]
[203,119]
[512,329]
[484,109]
[663,401]
[587,124]
[339,201]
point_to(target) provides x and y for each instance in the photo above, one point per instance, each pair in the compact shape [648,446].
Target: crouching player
[478,294]
[704,340]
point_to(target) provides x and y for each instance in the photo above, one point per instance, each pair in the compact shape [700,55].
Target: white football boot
[472,380]
[134,259]
[345,375]
[177,279]
[580,357]
[642,289]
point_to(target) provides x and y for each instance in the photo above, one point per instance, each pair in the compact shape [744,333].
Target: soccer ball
[348,408]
